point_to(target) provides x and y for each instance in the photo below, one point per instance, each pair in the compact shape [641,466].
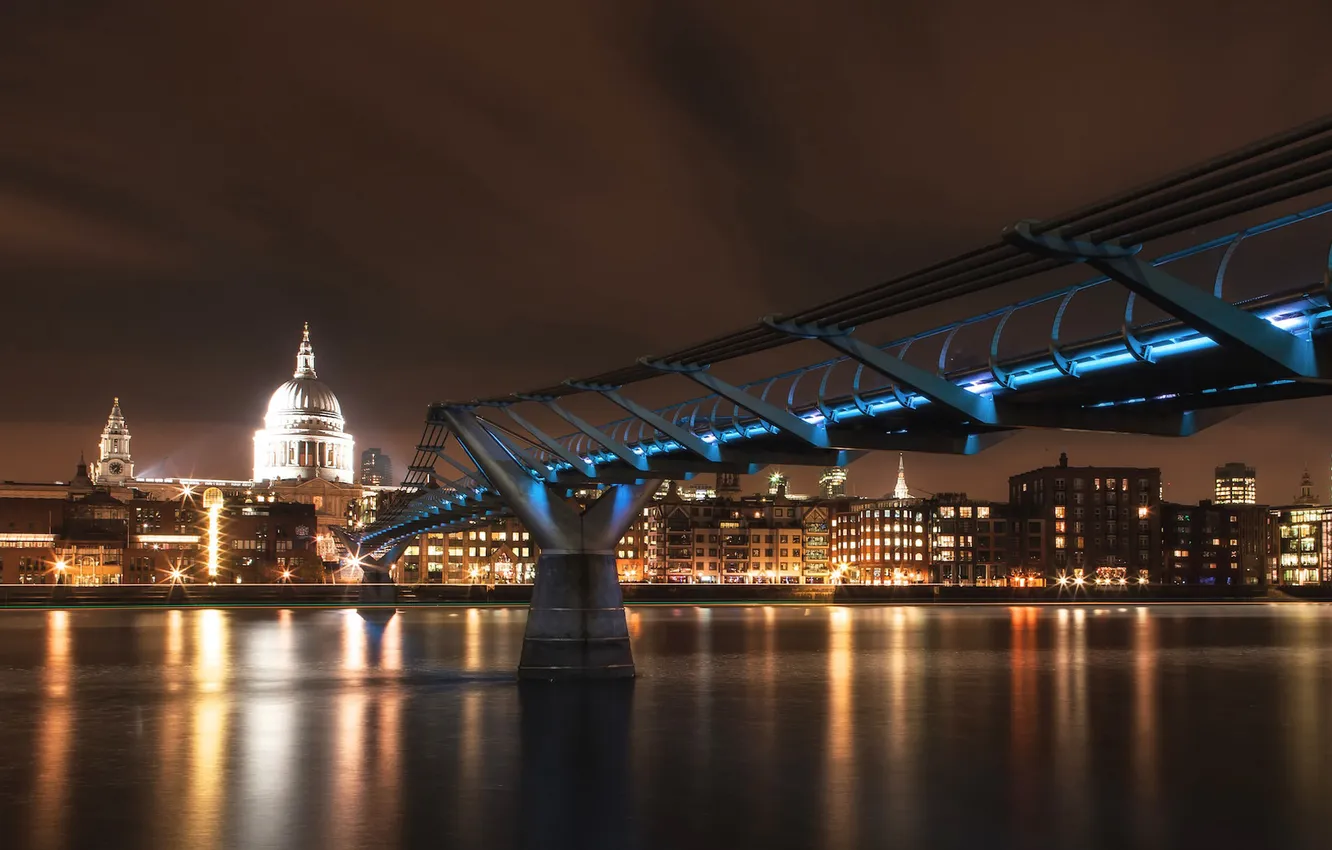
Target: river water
[903,727]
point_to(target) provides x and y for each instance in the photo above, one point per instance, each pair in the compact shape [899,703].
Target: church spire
[114,463]
[305,356]
[901,491]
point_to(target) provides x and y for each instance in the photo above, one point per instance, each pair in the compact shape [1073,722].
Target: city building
[1236,484]
[832,483]
[968,540]
[496,552]
[777,483]
[376,468]
[880,541]
[1303,545]
[92,537]
[114,466]
[1210,543]
[1086,520]
[303,435]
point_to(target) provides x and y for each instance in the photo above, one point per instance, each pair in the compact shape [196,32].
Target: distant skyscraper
[901,491]
[776,483]
[1236,484]
[376,467]
[832,483]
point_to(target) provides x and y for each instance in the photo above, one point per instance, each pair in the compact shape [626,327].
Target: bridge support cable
[471,475]
[508,440]
[1224,323]
[576,628]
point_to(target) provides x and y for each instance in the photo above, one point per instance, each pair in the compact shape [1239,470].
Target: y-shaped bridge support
[377,585]
[575,627]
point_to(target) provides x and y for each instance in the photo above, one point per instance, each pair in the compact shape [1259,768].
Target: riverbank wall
[199,595]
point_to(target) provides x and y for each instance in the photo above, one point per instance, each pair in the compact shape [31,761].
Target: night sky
[473,198]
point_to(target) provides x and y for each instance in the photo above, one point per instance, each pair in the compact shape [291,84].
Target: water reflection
[55,725]
[575,789]
[839,791]
[827,727]
[204,795]
[1146,783]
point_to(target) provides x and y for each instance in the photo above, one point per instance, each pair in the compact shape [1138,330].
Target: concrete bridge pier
[576,627]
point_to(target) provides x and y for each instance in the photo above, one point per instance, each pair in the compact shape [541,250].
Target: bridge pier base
[377,593]
[576,627]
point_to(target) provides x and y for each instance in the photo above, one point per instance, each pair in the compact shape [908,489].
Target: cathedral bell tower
[114,466]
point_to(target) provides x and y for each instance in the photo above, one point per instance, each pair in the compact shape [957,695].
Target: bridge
[1199,357]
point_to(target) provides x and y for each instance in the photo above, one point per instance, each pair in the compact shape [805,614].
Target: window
[964,511]
[1059,511]
[983,512]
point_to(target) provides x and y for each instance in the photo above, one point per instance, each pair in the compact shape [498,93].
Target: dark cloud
[470,198]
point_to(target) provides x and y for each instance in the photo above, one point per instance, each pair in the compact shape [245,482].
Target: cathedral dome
[303,435]
[304,398]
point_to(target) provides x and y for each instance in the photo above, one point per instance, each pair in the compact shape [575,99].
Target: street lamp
[60,570]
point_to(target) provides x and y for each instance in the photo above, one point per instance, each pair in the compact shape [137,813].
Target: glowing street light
[1079,581]
[212,501]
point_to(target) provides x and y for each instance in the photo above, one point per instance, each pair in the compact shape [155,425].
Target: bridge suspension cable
[1265,172]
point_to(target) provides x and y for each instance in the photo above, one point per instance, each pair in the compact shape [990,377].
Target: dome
[304,434]
[303,397]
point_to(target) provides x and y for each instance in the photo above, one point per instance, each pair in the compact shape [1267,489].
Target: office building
[376,468]
[1236,484]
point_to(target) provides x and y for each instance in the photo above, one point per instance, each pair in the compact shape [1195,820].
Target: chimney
[1063,460]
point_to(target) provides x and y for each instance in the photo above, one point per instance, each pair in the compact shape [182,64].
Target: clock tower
[114,466]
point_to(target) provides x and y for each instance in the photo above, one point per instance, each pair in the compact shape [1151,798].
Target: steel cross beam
[554,446]
[775,417]
[680,434]
[1225,323]
[615,447]
[936,388]
[471,472]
